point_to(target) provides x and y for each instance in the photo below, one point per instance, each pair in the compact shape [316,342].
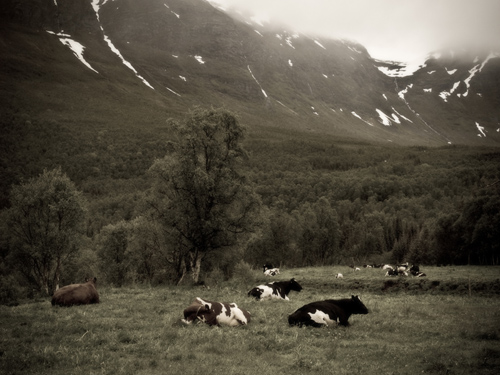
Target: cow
[272,272]
[215,313]
[387,267]
[267,266]
[339,276]
[277,289]
[76,294]
[414,270]
[391,272]
[328,312]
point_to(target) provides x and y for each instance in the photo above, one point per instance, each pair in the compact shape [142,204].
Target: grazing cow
[272,272]
[387,267]
[277,289]
[76,294]
[215,313]
[339,276]
[329,312]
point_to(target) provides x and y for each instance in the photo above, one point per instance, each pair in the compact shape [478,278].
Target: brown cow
[76,294]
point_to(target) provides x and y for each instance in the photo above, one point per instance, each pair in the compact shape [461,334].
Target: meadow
[446,323]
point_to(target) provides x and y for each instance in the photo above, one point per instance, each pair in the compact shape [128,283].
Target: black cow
[277,289]
[325,313]
[215,313]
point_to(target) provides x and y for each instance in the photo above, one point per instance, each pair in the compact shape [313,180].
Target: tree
[44,223]
[112,246]
[202,200]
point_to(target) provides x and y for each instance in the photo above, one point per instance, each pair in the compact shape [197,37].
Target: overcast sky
[400,30]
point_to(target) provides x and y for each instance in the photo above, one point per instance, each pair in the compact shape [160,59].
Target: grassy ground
[137,330]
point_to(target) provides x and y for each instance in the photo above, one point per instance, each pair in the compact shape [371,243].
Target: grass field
[448,325]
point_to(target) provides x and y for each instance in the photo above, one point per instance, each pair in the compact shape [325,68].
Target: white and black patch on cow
[215,313]
[327,313]
[277,289]
[272,272]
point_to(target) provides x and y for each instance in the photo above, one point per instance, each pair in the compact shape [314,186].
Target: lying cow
[272,272]
[267,266]
[329,312]
[215,313]
[277,289]
[76,294]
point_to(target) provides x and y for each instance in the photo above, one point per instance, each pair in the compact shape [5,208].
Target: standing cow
[277,289]
[215,313]
[329,312]
[76,294]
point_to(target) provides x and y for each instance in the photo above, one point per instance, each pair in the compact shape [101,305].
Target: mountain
[95,65]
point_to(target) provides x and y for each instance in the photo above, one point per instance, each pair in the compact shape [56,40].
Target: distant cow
[387,267]
[77,294]
[391,272]
[329,312]
[272,272]
[215,313]
[267,266]
[277,289]
[339,276]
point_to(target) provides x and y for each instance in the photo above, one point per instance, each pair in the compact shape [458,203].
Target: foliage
[200,197]
[44,223]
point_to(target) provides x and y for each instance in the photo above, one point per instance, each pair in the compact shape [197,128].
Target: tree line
[216,201]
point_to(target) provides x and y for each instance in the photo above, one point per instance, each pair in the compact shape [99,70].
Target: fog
[400,30]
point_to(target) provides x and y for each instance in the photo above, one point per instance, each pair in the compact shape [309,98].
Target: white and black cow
[215,313]
[277,289]
[329,312]
[267,266]
[272,272]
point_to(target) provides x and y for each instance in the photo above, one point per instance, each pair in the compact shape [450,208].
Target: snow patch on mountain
[199,59]
[401,69]
[96,6]
[359,117]
[481,130]
[319,44]
[76,47]
[255,79]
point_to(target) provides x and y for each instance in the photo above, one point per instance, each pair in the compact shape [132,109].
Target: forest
[303,199]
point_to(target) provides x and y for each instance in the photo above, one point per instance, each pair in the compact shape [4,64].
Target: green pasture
[449,324]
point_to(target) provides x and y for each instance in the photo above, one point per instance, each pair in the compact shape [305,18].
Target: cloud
[389,29]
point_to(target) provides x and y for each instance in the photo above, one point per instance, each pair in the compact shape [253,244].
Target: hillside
[114,64]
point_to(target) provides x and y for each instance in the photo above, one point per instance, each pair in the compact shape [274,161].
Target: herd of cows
[315,314]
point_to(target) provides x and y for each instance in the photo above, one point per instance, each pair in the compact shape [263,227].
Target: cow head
[294,285]
[358,306]
[196,311]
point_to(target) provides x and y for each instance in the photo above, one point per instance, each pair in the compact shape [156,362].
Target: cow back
[76,294]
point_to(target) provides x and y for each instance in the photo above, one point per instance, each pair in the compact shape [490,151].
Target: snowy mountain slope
[149,60]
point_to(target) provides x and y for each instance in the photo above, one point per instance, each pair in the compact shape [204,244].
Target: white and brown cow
[327,313]
[76,294]
[215,313]
[277,289]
